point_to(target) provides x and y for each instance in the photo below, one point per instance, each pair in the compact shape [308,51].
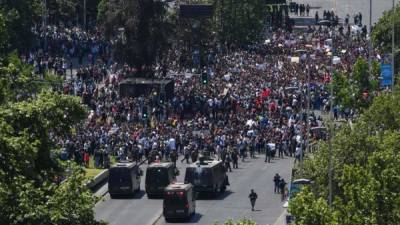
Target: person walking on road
[277,180]
[282,185]
[268,153]
[253,198]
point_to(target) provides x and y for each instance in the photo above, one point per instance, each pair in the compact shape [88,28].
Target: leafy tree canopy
[29,163]
[20,16]
[366,164]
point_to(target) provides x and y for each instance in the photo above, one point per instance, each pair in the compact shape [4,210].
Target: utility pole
[370,40]
[84,14]
[331,126]
[393,80]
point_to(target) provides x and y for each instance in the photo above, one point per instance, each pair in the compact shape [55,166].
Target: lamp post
[393,80]
[84,13]
[370,40]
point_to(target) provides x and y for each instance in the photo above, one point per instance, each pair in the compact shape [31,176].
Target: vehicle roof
[124,165]
[178,187]
[164,164]
[207,164]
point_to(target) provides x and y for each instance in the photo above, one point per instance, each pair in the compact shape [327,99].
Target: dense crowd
[255,100]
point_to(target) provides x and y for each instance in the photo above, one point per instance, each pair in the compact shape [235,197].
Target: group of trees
[139,29]
[31,115]
[240,22]
[382,34]
[366,167]
[356,90]
[365,157]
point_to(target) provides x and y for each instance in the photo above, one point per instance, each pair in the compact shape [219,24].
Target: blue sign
[386,73]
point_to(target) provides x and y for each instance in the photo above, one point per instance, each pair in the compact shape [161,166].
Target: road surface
[344,7]
[252,174]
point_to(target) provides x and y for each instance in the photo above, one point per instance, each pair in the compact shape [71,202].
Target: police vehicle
[207,175]
[124,179]
[179,201]
[159,176]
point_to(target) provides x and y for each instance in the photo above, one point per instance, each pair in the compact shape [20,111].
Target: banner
[386,74]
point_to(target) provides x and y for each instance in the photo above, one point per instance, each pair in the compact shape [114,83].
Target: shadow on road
[193,219]
[214,196]
[138,195]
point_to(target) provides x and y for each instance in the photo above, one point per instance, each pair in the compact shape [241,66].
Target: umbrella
[302,181]
[291,88]
[318,129]
[301,51]
[325,22]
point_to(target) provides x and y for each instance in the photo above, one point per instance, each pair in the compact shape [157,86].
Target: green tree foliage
[17,82]
[29,163]
[382,34]
[240,21]
[139,29]
[239,222]
[20,16]
[3,34]
[71,10]
[366,164]
[350,89]
[63,10]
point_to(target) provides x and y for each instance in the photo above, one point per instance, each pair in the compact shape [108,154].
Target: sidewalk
[281,219]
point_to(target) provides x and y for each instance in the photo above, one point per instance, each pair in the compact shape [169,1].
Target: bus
[208,176]
[124,179]
[179,201]
[159,176]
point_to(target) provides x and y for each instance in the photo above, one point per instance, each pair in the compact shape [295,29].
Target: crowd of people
[254,102]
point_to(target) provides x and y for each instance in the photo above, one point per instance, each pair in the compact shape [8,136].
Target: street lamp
[393,80]
[84,14]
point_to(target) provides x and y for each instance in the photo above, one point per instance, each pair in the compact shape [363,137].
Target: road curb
[157,219]
[281,219]
[94,183]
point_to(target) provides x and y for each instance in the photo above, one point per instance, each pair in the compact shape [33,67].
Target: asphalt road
[344,7]
[234,204]
[252,174]
[138,210]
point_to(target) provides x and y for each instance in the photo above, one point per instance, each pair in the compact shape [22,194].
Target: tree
[356,90]
[63,10]
[17,82]
[138,29]
[72,10]
[29,162]
[3,34]
[382,34]
[240,22]
[366,164]
[20,16]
